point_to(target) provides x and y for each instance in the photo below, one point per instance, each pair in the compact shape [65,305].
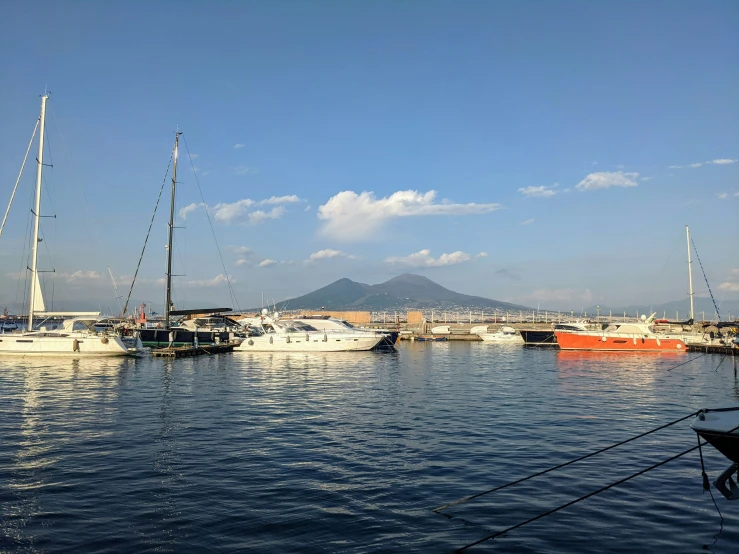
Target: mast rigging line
[146,240]
[212,230]
[20,173]
[718,315]
[581,458]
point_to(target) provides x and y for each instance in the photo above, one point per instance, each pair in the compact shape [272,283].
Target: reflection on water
[326,452]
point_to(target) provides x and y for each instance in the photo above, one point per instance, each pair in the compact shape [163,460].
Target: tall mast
[690,276]
[168,300]
[37,212]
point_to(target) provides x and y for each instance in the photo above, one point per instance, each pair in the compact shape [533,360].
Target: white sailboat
[76,336]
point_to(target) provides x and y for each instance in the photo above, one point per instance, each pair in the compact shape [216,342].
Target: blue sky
[534,152]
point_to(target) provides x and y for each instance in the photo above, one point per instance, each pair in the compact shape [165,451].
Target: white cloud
[219,279]
[245,170]
[242,261]
[719,161]
[423,258]
[327,254]
[352,216]
[607,179]
[722,195]
[194,156]
[528,221]
[238,145]
[226,213]
[307,208]
[230,212]
[80,275]
[243,250]
[267,263]
[291,199]
[646,178]
[190,208]
[482,255]
[537,191]
[255,218]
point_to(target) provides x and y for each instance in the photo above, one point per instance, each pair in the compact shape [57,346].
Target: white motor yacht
[271,334]
[327,323]
[504,335]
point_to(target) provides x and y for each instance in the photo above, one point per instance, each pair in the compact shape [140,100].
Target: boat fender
[75,345]
[251,342]
[604,338]
[287,339]
[679,346]
[307,337]
[104,340]
[659,343]
[271,340]
[325,337]
[634,341]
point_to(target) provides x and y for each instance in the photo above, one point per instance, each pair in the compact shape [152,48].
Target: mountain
[403,292]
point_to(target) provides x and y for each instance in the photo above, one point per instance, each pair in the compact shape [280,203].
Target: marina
[330,452]
[369,277]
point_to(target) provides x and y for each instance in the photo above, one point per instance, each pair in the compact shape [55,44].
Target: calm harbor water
[350,452]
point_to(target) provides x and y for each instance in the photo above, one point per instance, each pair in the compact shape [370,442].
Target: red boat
[633,337]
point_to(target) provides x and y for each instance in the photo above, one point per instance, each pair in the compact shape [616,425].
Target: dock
[188,351]
[712,349]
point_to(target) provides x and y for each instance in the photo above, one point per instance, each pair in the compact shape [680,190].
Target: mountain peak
[406,291]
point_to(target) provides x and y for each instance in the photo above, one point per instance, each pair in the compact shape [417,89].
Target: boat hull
[67,346]
[308,343]
[720,427]
[538,338]
[498,339]
[625,343]
[728,445]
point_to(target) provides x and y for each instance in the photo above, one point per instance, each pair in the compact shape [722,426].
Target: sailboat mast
[690,275]
[37,212]
[168,300]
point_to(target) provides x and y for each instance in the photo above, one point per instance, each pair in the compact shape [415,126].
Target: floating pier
[187,351]
[712,349]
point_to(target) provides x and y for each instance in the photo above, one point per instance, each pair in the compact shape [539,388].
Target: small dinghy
[720,428]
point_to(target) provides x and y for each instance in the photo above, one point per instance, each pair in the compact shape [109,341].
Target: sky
[542,153]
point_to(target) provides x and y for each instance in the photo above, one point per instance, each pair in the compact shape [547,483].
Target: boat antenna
[690,277]
[168,299]
[37,212]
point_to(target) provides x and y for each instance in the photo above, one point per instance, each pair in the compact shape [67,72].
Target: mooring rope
[690,360]
[468,498]
[585,497]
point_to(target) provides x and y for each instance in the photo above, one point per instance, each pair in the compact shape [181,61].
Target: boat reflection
[48,406]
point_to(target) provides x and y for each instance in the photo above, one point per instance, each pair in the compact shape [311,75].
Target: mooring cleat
[730,492]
